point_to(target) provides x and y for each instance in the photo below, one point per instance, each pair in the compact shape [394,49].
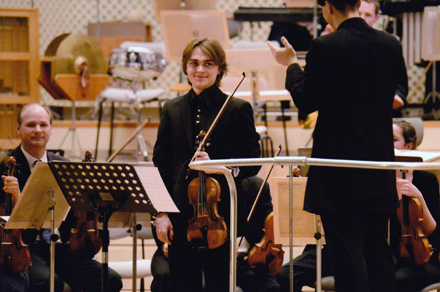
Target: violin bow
[262,186]
[214,123]
[261,190]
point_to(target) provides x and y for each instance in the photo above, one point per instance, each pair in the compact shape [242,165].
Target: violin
[85,238]
[14,253]
[414,244]
[206,230]
[266,252]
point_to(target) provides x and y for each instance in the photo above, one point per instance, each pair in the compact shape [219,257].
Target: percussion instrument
[136,63]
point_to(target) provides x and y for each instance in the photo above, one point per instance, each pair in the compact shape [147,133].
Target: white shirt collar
[30,159]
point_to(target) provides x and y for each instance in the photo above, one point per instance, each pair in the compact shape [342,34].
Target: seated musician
[249,279]
[234,136]
[410,277]
[80,272]
[424,186]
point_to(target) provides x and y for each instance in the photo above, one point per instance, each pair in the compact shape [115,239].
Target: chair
[431,287]
[264,83]
[125,268]
[328,284]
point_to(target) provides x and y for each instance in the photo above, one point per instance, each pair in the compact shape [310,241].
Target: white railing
[221,166]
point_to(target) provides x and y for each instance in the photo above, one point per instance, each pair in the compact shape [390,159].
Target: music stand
[35,208]
[305,227]
[160,5]
[299,3]
[106,188]
[266,82]
[181,26]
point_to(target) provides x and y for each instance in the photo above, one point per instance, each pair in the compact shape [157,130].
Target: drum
[136,64]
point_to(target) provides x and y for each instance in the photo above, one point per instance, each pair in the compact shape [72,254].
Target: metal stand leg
[75,138]
[134,228]
[141,146]
[53,239]
[112,119]
[318,254]
[285,129]
[101,104]
[105,238]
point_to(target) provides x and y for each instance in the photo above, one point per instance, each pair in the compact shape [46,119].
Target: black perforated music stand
[104,188]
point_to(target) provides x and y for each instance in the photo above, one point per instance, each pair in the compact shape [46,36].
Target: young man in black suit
[234,136]
[350,77]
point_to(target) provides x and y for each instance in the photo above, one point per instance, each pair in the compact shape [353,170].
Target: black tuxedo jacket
[233,137]
[350,78]
[23,167]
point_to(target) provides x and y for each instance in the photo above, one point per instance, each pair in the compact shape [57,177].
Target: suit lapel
[185,117]
[213,110]
[24,169]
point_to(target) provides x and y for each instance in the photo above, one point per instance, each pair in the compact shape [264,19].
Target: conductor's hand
[327,30]
[11,187]
[285,56]
[164,228]
[397,102]
[165,250]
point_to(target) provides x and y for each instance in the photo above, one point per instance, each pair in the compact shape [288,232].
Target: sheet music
[27,210]
[304,223]
[426,156]
[155,188]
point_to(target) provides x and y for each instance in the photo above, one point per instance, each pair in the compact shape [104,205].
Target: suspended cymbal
[73,47]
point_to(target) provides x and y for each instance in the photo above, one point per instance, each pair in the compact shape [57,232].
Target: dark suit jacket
[22,175]
[350,77]
[233,137]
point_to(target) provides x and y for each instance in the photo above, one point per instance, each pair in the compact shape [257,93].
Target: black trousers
[413,278]
[160,270]
[304,269]
[358,247]
[10,282]
[82,274]
[254,279]
[190,266]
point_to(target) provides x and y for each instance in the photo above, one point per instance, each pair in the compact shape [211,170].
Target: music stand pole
[105,238]
[53,239]
[104,188]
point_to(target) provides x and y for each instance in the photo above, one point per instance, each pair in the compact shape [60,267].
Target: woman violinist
[424,187]
[234,136]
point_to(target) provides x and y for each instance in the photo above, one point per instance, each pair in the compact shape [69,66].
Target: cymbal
[69,48]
